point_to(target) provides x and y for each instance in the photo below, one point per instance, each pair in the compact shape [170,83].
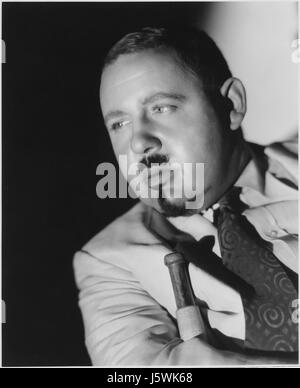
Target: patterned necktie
[269,310]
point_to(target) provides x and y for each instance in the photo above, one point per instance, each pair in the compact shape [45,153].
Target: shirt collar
[253,175]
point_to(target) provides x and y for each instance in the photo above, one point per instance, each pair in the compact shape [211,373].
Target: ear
[235,91]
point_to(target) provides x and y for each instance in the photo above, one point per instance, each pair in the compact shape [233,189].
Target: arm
[124,325]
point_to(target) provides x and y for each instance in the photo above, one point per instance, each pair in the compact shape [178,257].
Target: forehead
[134,76]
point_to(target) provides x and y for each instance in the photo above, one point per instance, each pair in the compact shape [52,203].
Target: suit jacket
[126,295]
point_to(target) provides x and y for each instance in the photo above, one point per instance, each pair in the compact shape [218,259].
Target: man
[168,98]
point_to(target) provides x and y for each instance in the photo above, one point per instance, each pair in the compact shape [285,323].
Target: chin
[170,206]
[174,207]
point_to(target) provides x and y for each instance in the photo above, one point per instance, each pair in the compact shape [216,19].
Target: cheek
[193,136]
[191,147]
[120,156]
[125,159]
[123,165]
[120,144]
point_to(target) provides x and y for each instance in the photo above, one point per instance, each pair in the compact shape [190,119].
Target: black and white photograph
[149,186]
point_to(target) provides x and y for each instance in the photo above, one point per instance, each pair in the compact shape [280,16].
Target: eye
[118,125]
[163,108]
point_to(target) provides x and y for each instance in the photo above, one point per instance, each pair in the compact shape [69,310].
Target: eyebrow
[148,100]
[161,95]
[113,114]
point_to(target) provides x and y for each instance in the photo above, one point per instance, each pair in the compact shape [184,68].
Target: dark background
[53,140]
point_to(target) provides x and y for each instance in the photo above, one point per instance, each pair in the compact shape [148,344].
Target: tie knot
[231,200]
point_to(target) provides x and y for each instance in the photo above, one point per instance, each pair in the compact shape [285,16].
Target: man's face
[156,111]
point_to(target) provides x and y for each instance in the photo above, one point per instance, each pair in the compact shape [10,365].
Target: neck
[240,158]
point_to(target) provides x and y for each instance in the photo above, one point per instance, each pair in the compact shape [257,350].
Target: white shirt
[265,213]
[126,295]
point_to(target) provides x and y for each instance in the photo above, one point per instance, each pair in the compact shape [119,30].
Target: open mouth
[159,175]
[159,181]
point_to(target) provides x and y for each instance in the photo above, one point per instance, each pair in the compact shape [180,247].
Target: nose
[144,139]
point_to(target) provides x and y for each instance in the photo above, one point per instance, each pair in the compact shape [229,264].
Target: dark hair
[194,49]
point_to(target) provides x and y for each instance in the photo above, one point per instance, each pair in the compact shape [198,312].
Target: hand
[213,356]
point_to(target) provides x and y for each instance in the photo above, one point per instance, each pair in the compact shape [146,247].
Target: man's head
[167,96]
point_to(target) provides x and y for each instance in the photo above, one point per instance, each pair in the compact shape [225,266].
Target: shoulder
[130,228]
[287,147]
[118,243]
[283,159]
